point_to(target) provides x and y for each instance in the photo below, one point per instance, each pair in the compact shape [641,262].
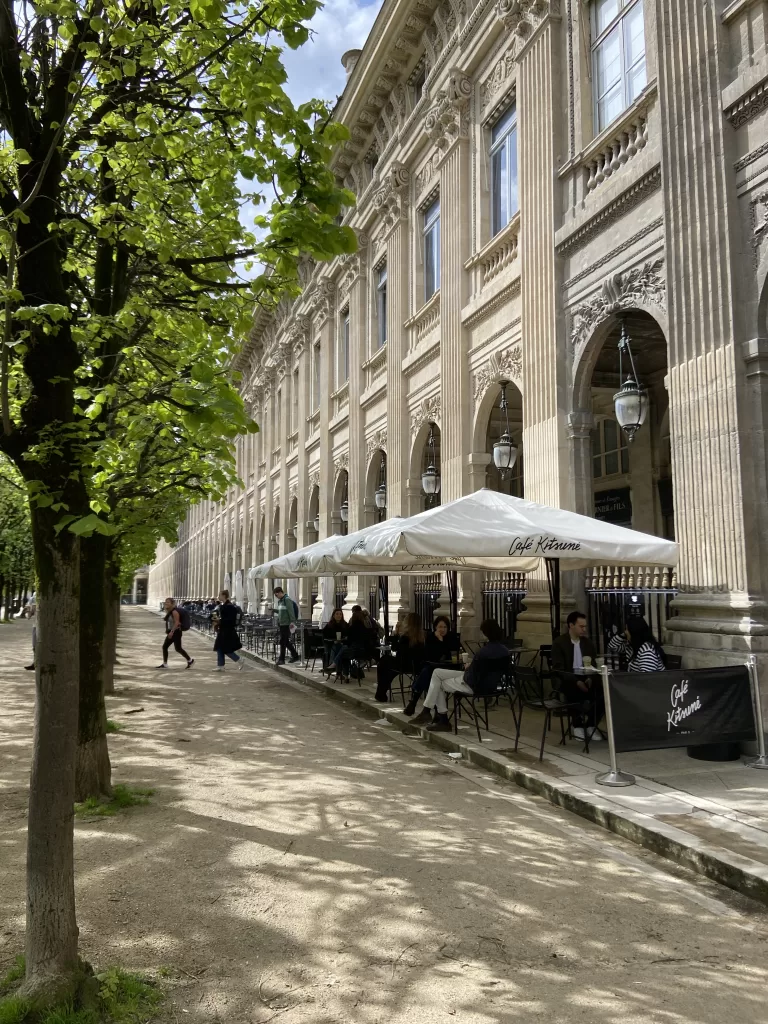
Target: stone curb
[746,876]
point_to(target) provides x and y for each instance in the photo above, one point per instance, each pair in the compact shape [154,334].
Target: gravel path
[300,863]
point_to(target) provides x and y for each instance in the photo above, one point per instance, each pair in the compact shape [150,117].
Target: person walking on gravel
[285,610]
[227,640]
[176,622]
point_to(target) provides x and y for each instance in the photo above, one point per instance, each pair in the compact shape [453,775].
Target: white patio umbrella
[283,566]
[491,531]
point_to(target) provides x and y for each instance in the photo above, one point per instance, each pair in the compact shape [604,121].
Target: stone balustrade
[425,321]
[613,154]
[340,399]
[631,578]
[374,370]
[501,252]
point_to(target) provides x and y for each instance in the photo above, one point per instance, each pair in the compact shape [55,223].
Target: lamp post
[504,452]
[316,523]
[630,403]
[430,478]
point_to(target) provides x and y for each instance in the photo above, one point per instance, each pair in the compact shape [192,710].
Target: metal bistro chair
[530,694]
[493,680]
[314,647]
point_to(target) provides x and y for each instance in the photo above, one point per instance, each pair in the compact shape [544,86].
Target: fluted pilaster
[455,397]
[704,420]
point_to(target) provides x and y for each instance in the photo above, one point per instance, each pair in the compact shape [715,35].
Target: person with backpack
[177,621]
[287,613]
[227,639]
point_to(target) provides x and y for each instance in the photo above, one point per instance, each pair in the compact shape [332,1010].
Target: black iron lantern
[631,402]
[504,452]
[430,478]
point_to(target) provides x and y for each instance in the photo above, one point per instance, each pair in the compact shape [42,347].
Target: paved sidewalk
[711,816]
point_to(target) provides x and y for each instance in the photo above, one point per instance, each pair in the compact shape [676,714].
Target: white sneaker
[241,665]
[578,733]
[597,736]
[219,668]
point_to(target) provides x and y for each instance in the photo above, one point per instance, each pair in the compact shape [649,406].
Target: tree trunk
[52,970]
[93,770]
[113,622]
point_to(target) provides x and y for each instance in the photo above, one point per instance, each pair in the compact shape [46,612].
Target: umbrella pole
[553,579]
[384,592]
[453,588]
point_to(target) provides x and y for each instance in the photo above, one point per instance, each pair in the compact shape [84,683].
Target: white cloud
[314,70]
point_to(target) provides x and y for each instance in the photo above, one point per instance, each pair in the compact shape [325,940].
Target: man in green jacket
[285,611]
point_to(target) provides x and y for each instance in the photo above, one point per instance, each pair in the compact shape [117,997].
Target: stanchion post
[762,760]
[614,778]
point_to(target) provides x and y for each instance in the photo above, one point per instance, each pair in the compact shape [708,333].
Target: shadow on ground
[300,864]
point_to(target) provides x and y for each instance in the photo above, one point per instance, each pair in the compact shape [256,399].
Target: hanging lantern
[430,478]
[317,523]
[380,497]
[344,511]
[504,452]
[631,402]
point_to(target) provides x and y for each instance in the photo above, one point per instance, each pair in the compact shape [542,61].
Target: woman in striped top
[641,648]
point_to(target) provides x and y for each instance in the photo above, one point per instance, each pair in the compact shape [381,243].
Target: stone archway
[375,477]
[420,459]
[340,495]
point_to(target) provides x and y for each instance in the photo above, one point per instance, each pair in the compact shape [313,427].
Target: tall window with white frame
[618,57]
[381,306]
[504,199]
[431,239]
[342,365]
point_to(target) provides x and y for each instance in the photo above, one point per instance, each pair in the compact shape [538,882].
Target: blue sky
[315,69]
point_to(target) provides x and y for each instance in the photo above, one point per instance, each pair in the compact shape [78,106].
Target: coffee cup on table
[599,662]
[338,636]
[587,662]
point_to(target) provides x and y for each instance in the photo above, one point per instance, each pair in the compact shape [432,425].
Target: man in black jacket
[568,654]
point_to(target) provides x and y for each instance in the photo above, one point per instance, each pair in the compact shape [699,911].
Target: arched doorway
[503,593]
[274,546]
[622,481]
[341,503]
[376,488]
[293,526]
[313,521]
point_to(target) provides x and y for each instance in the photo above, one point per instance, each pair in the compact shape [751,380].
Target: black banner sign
[681,709]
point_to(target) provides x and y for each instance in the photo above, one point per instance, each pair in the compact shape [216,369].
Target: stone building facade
[532,177]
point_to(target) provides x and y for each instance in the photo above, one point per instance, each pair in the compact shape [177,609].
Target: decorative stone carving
[299,333]
[427,411]
[354,263]
[645,284]
[325,301]
[496,82]
[391,200]
[341,462]
[446,120]
[376,442]
[507,365]
[523,17]
[314,479]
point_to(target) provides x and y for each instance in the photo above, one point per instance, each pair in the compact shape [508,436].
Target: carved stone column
[447,125]
[722,592]
[302,353]
[326,312]
[391,201]
[535,25]
[354,282]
